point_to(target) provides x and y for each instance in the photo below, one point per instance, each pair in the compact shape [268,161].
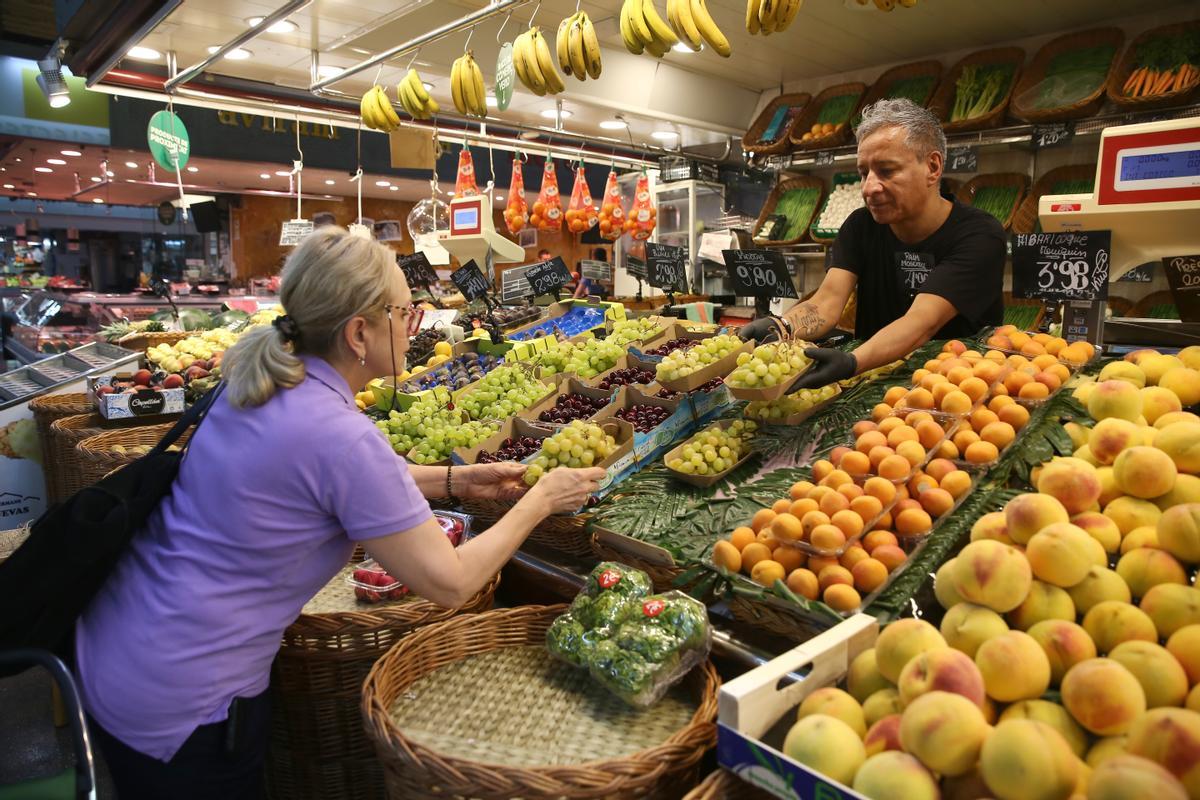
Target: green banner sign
[505,77]
[168,139]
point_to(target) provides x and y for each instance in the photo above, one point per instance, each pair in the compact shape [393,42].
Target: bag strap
[193,416]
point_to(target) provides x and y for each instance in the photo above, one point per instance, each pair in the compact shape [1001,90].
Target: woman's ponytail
[259,363]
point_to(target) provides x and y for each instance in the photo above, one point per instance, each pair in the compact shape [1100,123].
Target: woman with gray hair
[282,479]
[924,265]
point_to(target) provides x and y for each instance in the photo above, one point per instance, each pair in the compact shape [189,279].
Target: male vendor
[925,265]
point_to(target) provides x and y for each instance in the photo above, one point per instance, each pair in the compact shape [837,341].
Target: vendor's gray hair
[924,132]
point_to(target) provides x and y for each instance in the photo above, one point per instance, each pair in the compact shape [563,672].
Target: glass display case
[685,210]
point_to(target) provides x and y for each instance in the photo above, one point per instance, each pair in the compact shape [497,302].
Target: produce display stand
[918,69]
[751,141]
[475,707]
[142,341]
[1026,216]
[1035,73]
[1128,62]
[812,111]
[1015,180]
[792,182]
[943,99]
[829,235]
[318,746]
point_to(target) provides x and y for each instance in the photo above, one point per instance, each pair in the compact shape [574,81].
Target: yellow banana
[432,107]
[545,63]
[591,47]
[787,14]
[468,84]
[405,95]
[628,36]
[752,23]
[365,109]
[478,90]
[709,30]
[637,20]
[533,74]
[385,109]
[575,50]
[418,87]
[679,12]
[518,64]
[561,44]
[655,48]
[660,30]
[766,15]
[456,86]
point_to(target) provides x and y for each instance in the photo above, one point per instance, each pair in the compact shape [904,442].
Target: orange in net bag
[547,209]
[464,185]
[516,213]
[581,213]
[642,214]
[612,216]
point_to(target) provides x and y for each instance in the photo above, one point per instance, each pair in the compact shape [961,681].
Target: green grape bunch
[634,330]
[423,420]
[803,400]
[502,393]
[769,365]
[682,363]
[714,449]
[438,445]
[586,359]
[579,444]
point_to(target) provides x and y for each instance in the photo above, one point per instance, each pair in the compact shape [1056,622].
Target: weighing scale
[473,236]
[1147,192]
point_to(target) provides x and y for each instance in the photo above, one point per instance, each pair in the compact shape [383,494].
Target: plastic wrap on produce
[634,643]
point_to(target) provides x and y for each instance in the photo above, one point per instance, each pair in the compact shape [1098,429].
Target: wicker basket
[144,341]
[763,615]
[46,409]
[1033,74]
[1118,76]
[440,653]
[966,194]
[64,471]
[813,110]
[318,746]
[943,99]
[724,785]
[1142,308]
[10,540]
[97,456]
[794,182]
[1027,213]
[917,69]
[751,143]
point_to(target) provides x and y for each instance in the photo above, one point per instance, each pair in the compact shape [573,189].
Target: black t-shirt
[962,262]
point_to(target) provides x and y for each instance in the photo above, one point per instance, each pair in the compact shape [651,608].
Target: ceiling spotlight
[499,198]
[330,182]
[680,47]
[193,169]
[492,102]
[283,173]
[70,153]
[264,175]
[383,183]
[131,164]
[50,78]
[613,124]
[97,199]
[664,135]
[31,194]
[393,188]
[110,174]
[96,179]
[57,161]
[129,180]
[236,54]
[428,86]
[552,113]
[140,53]
[529,135]
[9,186]
[328,71]
[283,26]
[42,169]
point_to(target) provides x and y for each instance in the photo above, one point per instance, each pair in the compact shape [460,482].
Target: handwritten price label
[1061,266]
[1183,276]
[665,266]
[962,159]
[1052,135]
[548,276]
[759,273]
[470,281]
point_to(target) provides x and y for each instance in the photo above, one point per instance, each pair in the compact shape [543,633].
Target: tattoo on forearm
[808,320]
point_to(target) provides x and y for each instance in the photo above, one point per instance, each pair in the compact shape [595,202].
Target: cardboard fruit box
[718,369]
[703,480]
[768,393]
[513,427]
[626,362]
[568,385]
[647,446]
[756,710]
[622,462]
[555,310]
[115,398]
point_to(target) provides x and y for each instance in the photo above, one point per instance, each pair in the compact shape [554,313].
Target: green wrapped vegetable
[565,639]
[613,578]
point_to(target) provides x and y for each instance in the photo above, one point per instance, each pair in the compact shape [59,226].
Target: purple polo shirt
[264,512]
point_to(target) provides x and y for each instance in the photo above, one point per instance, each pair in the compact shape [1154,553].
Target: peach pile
[1008,337]
[892,447]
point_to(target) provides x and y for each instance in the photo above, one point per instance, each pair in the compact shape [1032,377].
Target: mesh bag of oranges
[642,216]
[612,216]
[581,212]
[516,212]
[547,209]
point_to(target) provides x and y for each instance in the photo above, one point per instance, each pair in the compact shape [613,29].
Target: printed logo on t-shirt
[914,268]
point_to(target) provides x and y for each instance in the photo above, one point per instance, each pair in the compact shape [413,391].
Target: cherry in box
[372,583]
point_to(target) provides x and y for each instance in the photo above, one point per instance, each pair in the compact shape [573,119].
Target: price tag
[417,269]
[1183,276]
[1140,274]
[470,281]
[778,163]
[759,273]
[596,270]
[548,276]
[293,231]
[514,285]
[665,267]
[635,267]
[823,158]
[1052,135]
[962,159]
[1061,266]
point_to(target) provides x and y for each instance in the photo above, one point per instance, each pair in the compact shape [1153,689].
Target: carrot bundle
[1145,81]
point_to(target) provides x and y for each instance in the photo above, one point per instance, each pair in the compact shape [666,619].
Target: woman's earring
[362,361]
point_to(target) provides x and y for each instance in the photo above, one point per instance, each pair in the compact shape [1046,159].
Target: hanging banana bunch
[643,30]
[770,16]
[376,110]
[578,47]
[466,86]
[679,14]
[415,97]
[535,65]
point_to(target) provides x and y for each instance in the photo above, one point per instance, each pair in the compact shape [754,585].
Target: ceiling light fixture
[193,169]
[552,113]
[42,169]
[236,54]
[264,175]
[131,164]
[72,153]
[283,173]
[680,47]
[664,135]
[31,194]
[283,26]
[96,179]
[393,188]
[9,186]
[57,161]
[499,198]
[110,173]
[330,182]
[428,86]
[383,183]
[97,199]
[140,53]
[613,124]
[492,102]
[328,71]
[50,77]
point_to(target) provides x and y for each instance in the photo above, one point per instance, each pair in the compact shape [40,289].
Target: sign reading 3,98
[1069,265]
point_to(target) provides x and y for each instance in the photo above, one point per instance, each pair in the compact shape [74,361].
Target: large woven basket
[565,534]
[782,144]
[144,341]
[63,468]
[813,110]
[506,703]
[764,615]
[917,69]
[1118,76]
[1033,74]
[1017,180]
[46,409]
[722,784]
[793,182]
[1024,220]
[943,99]
[98,457]
[318,746]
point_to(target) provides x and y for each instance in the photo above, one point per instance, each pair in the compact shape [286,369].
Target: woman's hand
[566,490]
[499,481]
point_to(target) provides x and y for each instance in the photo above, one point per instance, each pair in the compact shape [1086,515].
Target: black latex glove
[829,366]
[762,330]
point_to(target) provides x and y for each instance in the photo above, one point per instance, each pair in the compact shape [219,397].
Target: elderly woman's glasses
[409,315]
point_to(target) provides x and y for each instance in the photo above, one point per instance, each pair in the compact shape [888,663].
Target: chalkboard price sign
[823,158]
[470,281]
[962,159]
[548,277]
[417,269]
[759,273]
[1054,135]
[596,270]
[635,267]
[1071,265]
[514,285]
[1139,274]
[665,266]
[1183,276]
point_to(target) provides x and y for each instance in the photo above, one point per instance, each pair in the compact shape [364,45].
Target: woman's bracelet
[450,485]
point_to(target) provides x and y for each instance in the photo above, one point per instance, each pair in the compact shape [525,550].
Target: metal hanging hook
[413,60]
[533,16]
[378,73]
[470,34]
[502,24]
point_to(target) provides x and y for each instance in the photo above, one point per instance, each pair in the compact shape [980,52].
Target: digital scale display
[1164,167]
[466,218]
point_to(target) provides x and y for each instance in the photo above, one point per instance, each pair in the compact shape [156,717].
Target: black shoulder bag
[73,547]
